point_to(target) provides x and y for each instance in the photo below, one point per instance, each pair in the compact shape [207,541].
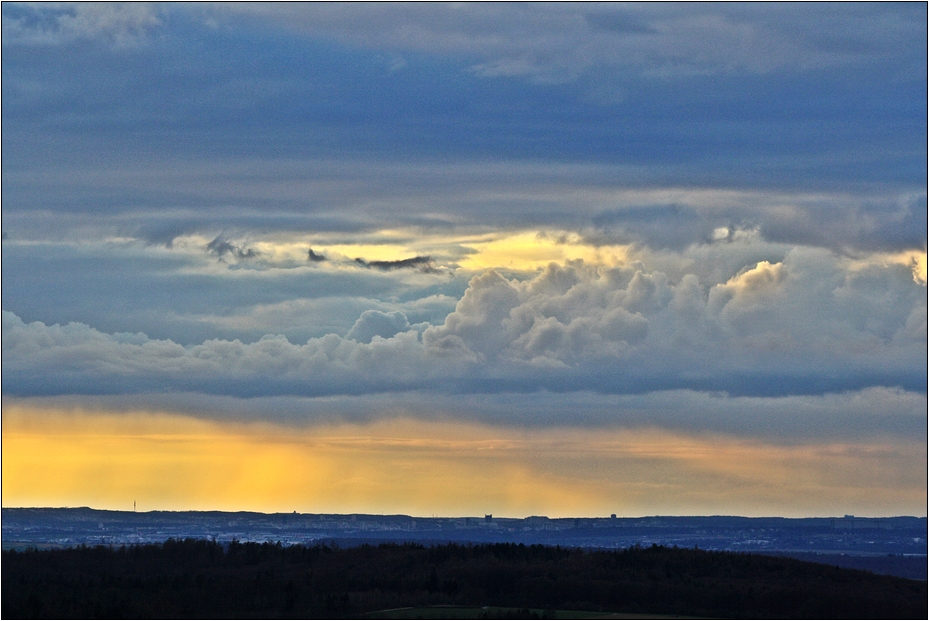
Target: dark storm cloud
[423,264]
[222,247]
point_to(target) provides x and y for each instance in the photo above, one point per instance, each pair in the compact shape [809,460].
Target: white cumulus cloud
[804,325]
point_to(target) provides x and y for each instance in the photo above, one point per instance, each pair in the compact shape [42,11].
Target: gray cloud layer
[874,413]
[547,42]
[155,121]
[561,41]
[608,204]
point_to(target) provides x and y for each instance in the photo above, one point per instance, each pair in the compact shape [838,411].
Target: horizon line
[486,515]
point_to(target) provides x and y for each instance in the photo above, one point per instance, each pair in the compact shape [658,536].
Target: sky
[457,259]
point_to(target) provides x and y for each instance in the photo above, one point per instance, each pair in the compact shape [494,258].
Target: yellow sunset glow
[913,259]
[170,461]
[524,251]
[531,250]
[917,262]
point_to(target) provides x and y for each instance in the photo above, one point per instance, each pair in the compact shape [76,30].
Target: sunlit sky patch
[565,259]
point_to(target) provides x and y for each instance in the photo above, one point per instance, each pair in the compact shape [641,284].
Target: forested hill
[197,578]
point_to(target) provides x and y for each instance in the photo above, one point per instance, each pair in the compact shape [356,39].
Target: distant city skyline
[560,259]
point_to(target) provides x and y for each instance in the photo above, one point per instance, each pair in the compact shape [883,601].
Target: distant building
[539,522]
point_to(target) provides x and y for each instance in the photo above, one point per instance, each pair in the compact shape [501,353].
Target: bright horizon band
[173,462]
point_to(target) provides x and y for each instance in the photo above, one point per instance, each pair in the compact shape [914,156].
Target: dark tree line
[197,578]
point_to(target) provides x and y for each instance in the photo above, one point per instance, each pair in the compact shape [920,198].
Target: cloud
[184,294]
[804,325]
[823,111]
[476,329]
[221,247]
[606,204]
[423,264]
[798,419]
[119,24]
[882,225]
[314,257]
[658,226]
[841,223]
[375,323]
[562,42]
